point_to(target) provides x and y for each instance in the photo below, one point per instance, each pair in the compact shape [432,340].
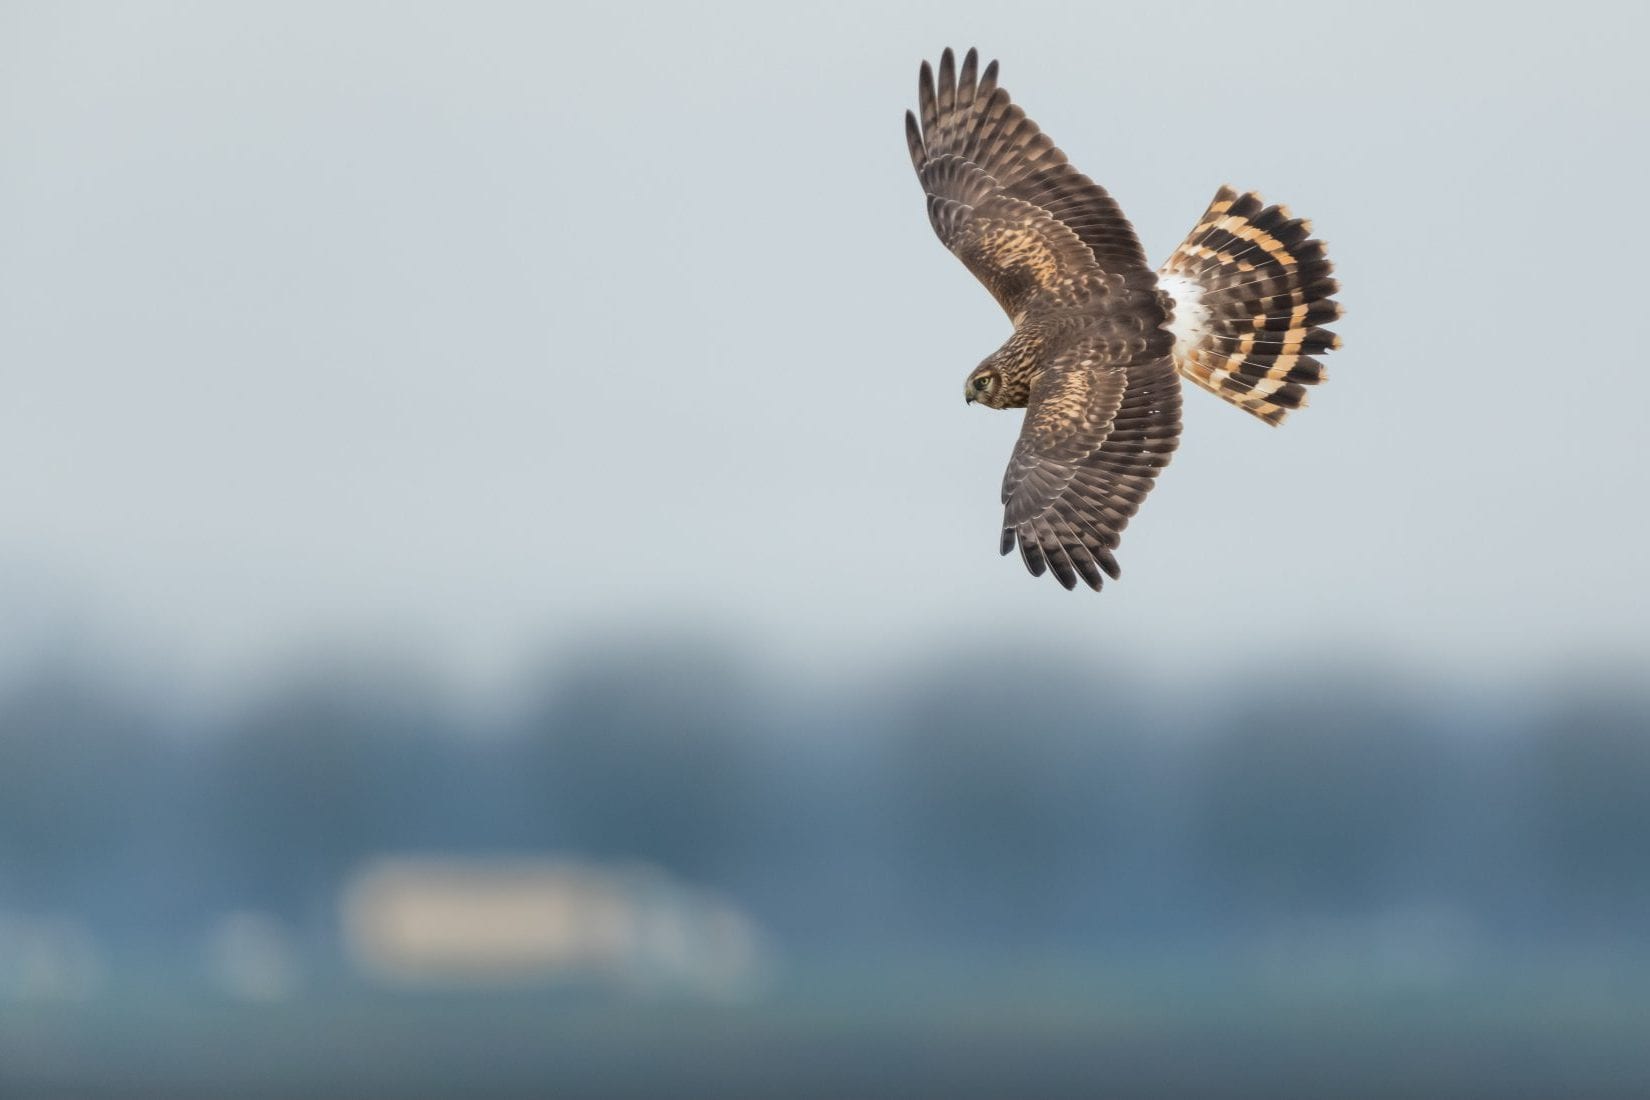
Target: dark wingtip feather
[1060,562]
[1084,562]
[1006,545]
[1032,554]
[947,90]
[966,80]
[927,107]
[913,141]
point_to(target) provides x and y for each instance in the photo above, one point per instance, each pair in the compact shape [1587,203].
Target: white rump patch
[1191,317]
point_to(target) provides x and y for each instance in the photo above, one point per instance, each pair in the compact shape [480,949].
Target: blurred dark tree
[1326,802]
[77,764]
[976,801]
[645,752]
[1588,793]
[1016,795]
[320,775]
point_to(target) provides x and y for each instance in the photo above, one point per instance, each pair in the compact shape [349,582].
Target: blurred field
[967,1028]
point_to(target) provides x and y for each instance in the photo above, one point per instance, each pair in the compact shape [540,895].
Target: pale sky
[484,328]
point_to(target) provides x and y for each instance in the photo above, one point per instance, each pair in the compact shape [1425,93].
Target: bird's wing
[1095,435]
[1006,200]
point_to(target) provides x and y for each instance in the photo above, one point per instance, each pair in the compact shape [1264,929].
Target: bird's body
[1099,341]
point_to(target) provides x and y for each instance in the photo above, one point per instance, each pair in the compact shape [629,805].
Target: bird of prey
[1100,340]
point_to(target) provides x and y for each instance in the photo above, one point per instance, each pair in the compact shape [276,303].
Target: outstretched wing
[1094,437]
[1001,196]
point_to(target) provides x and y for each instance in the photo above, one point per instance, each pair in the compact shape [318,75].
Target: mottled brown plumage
[1097,342]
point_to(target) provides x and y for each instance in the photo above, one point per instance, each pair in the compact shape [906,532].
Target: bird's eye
[981,383]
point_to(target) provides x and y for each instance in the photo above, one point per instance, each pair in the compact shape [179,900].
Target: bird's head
[1003,378]
[984,385]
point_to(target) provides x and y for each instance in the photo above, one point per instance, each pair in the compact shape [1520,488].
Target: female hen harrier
[1098,336]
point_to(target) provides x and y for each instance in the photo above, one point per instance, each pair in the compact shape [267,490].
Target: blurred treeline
[950,802]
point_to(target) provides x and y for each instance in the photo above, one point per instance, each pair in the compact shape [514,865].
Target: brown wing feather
[974,120]
[1094,437]
[1022,255]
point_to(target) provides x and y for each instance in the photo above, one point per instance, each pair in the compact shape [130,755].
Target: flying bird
[1100,340]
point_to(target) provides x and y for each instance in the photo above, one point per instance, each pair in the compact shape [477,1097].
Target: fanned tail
[1252,290]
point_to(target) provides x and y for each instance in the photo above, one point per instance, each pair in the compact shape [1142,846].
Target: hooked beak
[968,399]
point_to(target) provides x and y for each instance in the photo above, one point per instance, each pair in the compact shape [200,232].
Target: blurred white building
[457,922]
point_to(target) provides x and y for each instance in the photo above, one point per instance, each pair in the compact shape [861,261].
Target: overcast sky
[495,327]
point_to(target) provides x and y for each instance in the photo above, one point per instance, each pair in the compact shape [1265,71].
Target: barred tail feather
[1252,290]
